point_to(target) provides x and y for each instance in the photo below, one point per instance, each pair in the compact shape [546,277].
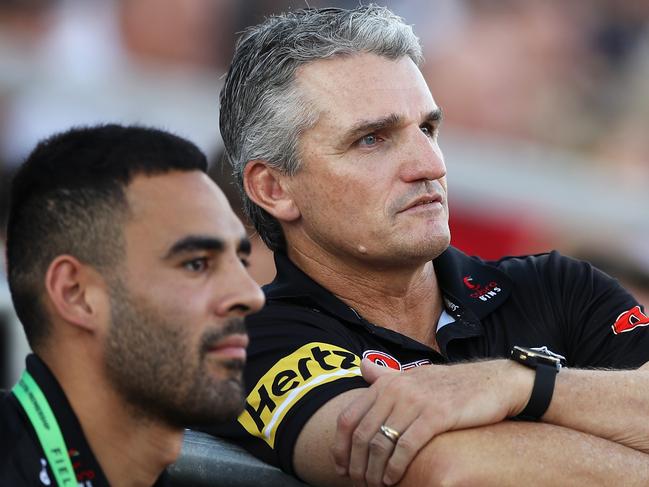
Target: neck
[132,450]
[405,299]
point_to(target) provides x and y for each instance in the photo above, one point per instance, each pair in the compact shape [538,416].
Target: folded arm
[611,404]
[499,454]
[426,402]
[513,454]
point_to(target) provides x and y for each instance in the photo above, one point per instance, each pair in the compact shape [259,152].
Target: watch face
[546,351]
[532,357]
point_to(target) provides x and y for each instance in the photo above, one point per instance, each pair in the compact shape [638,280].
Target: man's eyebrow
[435,116]
[193,243]
[244,246]
[368,126]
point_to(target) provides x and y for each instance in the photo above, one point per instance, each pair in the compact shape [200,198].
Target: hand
[420,404]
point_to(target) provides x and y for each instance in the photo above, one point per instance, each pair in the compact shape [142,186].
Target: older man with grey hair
[333,135]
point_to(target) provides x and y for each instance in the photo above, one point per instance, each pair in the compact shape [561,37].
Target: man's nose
[422,158]
[243,296]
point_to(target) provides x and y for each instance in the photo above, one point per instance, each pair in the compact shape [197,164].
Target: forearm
[515,453]
[610,407]
[610,404]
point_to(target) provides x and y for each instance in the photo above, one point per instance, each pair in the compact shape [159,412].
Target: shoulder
[538,263]
[551,270]
[299,320]
[557,271]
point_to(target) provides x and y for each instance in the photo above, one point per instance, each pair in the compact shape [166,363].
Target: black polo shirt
[22,460]
[306,344]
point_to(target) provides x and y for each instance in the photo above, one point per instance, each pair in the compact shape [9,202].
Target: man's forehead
[182,202]
[360,87]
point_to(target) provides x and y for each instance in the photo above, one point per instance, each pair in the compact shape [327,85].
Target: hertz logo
[289,380]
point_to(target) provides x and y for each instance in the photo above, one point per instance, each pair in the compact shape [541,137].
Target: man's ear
[75,291]
[266,187]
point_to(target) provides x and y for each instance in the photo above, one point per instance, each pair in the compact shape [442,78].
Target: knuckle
[378,445]
[337,452]
[407,447]
[345,419]
[359,437]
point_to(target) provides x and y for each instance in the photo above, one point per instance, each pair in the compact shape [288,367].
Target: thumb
[371,371]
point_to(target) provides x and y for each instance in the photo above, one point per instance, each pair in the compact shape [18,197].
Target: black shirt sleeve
[596,309]
[298,359]
[580,306]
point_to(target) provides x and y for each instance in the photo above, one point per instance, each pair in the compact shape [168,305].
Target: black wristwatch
[547,364]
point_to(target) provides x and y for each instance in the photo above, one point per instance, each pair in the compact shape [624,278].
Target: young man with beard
[333,134]
[126,266]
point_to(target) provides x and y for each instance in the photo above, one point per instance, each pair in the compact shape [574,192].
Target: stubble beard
[150,363]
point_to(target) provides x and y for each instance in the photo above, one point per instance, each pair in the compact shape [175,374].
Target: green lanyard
[39,412]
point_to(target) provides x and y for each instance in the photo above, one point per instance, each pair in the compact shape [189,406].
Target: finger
[346,424]
[413,439]
[372,371]
[400,419]
[364,433]
[380,448]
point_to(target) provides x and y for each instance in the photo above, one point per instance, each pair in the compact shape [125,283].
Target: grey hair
[263,113]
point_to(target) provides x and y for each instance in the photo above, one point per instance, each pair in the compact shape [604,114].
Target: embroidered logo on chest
[479,291]
[382,358]
[386,360]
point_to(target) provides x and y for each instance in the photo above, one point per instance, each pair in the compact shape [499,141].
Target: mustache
[428,186]
[234,326]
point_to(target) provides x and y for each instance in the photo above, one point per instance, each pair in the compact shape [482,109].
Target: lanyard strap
[39,412]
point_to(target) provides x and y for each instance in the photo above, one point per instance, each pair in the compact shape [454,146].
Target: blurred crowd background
[546,131]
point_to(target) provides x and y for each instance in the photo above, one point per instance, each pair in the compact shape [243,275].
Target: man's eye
[427,129]
[368,140]
[245,262]
[196,265]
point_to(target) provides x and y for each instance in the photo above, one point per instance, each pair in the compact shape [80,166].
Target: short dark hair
[68,197]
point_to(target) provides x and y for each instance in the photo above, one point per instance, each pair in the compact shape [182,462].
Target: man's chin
[234,365]
[226,407]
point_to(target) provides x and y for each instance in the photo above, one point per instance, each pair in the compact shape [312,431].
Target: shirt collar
[83,459]
[291,283]
[466,283]
[476,284]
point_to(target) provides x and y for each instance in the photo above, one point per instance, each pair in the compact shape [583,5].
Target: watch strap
[542,391]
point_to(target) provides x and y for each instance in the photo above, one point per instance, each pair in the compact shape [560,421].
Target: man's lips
[232,346]
[423,201]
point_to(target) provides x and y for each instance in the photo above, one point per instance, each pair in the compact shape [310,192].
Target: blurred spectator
[184,32]
[567,75]
[507,68]
[84,64]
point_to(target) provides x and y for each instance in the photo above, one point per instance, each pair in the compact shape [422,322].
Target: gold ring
[390,433]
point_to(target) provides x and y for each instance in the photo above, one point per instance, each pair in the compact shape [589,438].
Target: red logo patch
[467,282]
[630,320]
[483,293]
[382,358]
